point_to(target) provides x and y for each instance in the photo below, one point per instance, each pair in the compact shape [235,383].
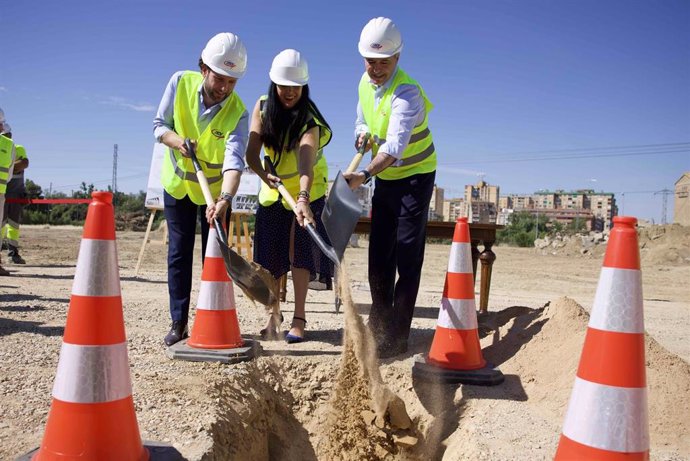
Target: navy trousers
[400,210]
[181,216]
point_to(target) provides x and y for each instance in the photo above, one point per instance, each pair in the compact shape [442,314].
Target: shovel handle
[283,190]
[205,189]
[203,182]
[360,153]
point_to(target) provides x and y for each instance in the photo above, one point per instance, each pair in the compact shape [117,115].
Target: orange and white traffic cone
[456,355]
[92,413]
[216,331]
[607,415]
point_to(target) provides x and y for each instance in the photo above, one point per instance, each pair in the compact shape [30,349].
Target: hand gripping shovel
[310,225]
[342,209]
[252,279]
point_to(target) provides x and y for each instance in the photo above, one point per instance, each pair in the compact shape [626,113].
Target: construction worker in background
[393,107]
[7,155]
[293,133]
[13,211]
[201,106]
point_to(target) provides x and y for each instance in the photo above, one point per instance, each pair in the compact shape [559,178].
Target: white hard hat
[289,68]
[2,116]
[225,54]
[380,38]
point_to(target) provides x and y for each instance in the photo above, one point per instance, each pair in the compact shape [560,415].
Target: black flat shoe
[177,333]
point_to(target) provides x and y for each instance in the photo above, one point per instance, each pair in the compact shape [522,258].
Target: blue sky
[511,81]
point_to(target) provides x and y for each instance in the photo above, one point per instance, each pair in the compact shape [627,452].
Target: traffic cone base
[181,350]
[424,370]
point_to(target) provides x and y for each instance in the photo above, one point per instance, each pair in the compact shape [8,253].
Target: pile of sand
[665,245]
[547,345]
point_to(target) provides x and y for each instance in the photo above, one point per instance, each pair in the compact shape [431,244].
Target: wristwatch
[367,176]
[225,196]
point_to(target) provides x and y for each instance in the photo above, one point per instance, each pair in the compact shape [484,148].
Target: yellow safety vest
[21,155]
[420,155]
[287,167]
[178,176]
[7,153]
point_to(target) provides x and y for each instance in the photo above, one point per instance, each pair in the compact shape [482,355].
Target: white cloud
[125,104]
[463,171]
[2,88]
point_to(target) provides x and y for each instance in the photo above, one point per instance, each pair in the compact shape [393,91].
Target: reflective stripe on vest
[420,155]
[287,169]
[178,176]
[7,153]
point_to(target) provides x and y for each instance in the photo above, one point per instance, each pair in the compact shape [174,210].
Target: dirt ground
[298,402]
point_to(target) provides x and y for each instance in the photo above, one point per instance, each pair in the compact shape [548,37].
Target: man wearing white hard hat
[203,107]
[7,155]
[394,108]
[293,133]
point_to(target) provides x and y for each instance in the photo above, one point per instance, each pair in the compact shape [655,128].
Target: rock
[368,417]
[398,414]
[380,422]
[406,441]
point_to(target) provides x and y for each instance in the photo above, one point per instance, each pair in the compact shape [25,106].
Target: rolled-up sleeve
[163,121]
[236,145]
[407,111]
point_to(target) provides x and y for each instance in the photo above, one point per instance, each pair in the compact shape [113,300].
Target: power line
[569,157]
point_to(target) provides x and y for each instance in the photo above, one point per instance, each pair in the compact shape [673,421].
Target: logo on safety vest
[230,64]
[218,134]
[376,46]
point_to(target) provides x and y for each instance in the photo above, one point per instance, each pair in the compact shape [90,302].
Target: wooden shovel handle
[203,182]
[358,156]
[283,190]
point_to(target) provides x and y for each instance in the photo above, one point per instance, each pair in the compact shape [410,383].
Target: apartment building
[681,202]
[567,206]
[436,204]
[481,192]
[454,208]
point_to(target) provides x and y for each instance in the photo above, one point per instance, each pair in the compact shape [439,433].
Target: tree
[522,229]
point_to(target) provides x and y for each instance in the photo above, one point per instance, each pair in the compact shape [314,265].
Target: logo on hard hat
[217,133]
[230,64]
[376,46]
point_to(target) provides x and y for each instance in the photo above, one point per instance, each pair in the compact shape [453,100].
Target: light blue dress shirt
[407,111]
[236,143]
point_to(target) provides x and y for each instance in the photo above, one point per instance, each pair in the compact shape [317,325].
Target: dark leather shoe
[386,351]
[16,258]
[177,333]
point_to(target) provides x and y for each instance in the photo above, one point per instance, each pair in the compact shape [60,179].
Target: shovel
[310,225]
[254,280]
[342,209]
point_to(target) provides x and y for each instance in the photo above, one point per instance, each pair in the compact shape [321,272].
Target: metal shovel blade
[323,246]
[243,273]
[340,214]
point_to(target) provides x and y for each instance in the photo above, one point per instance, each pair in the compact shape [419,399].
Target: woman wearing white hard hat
[393,107]
[293,133]
[203,107]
